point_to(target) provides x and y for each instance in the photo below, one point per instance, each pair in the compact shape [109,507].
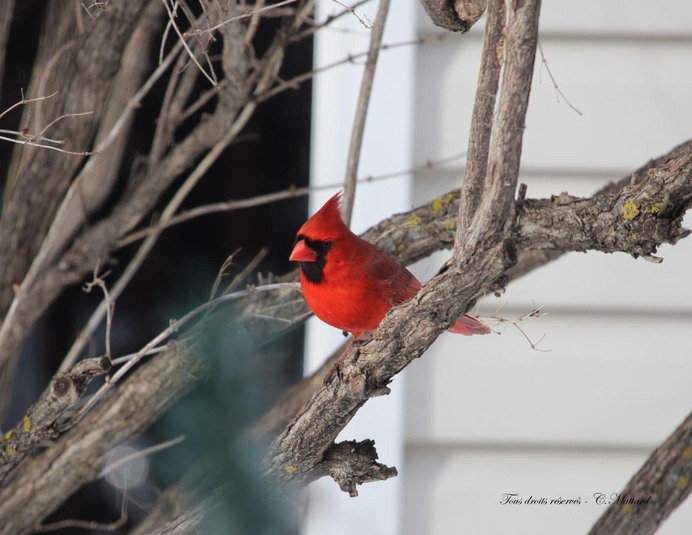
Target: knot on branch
[68,387]
[38,425]
[352,463]
[457,16]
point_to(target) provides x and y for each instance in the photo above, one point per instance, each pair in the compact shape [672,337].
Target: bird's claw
[334,371]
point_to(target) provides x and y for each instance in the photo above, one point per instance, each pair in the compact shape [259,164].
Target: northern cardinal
[350,283]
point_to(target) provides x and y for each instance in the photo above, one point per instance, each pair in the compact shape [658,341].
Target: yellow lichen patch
[655,208]
[8,435]
[27,424]
[437,205]
[633,236]
[630,210]
[683,481]
[413,220]
[627,509]
[451,224]
[440,201]
[10,451]
[290,469]
[687,452]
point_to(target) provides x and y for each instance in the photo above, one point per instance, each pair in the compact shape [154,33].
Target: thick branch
[352,463]
[662,484]
[213,133]
[636,220]
[78,457]
[431,232]
[39,424]
[457,16]
[6,14]
[408,330]
[481,121]
[495,212]
[67,57]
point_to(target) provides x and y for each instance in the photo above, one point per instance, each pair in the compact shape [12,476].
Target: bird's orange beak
[302,253]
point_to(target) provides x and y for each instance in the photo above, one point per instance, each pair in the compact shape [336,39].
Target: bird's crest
[326,223]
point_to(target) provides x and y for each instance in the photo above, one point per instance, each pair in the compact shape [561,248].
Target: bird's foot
[334,371]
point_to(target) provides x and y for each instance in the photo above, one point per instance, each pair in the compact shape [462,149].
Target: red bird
[348,282]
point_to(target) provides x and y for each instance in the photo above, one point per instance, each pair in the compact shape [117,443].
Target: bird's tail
[468,326]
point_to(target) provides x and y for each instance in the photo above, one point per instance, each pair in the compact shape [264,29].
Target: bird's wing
[393,279]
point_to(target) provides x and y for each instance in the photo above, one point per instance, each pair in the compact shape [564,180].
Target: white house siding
[488,415]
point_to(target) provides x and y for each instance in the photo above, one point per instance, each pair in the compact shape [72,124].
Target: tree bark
[655,491]
[297,455]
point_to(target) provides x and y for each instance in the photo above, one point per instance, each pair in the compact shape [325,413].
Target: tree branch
[39,424]
[409,329]
[6,14]
[457,16]
[78,457]
[481,121]
[431,232]
[356,143]
[235,106]
[66,58]
[663,483]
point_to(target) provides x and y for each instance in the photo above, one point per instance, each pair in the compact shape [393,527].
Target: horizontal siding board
[459,491]
[606,381]
[632,96]
[488,414]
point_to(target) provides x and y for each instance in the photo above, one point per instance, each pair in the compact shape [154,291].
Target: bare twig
[316,26]
[57,119]
[294,82]
[141,453]
[252,265]
[49,147]
[171,17]
[83,524]
[352,10]
[222,273]
[150,241]
[535,313]
[250,14]
[204,45]
[25,101]
[254,22]
[77,458]
[153,351]
[136,100]
[362,105]
[166,30]
[558,91]
[173,328]
[267,198]
[110,305]
[37,140]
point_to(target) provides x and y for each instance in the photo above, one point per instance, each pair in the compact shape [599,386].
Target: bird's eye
[327,245]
